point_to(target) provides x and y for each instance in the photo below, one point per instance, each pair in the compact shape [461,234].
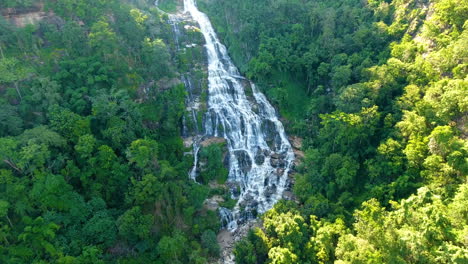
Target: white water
[174,22]
[192,107]
[251,129]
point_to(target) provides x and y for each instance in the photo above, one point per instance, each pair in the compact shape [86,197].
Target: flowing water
[260,155]
[192,103]
[174,22]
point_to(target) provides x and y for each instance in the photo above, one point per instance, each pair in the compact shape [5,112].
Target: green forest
[93,166]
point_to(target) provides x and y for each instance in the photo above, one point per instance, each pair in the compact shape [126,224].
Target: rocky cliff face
[22,17]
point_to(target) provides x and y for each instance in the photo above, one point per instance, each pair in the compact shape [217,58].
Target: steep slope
[386,115]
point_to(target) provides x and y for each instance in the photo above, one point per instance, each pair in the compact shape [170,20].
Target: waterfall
[192,103]
[174,22]
[190,100]
[260,155]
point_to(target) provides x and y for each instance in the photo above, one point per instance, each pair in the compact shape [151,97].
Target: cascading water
[260,155]
[191,100]
[174,22]
[192,107]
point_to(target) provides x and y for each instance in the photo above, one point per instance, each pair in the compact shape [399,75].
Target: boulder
[259,159]
[278,163]
[212,140]
[296,142]
[243,158]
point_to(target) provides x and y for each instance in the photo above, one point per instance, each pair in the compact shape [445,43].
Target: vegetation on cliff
[92,165]
[378,91]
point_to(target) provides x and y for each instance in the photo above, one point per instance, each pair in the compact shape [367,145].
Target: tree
[100,230]
[33,157]
[155,54]
[68,124]
[288,229]
[340,76]
[13,72]
[342,170]
[209,242]
[134,224]
[143,153]
[280,255]
[10,120]
[322,245]
[4,206]
[43,135]
[146,191]
[102,39]
[107,176]
[213,169]
[347,133]
[172,248]
[52,192]
[44,94]
[85,146]
[244,253]
[9,154]
[36,238]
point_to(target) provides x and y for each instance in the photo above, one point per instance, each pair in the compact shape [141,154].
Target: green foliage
[209,242]
[172,248]
[168,5]
[213,169]
[312,44]
[244,253]
[92,168]
[143,153]
[134,225]
[35,239]
[91,162]
[386,114]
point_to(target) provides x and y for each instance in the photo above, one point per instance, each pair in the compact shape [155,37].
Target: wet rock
[265,182]
[227,218]
[269,131]
[275,156]
[226,160]
[234,188]
[248,201]
[259,159]
[270,190]
[280,171]
[243,158]
[278,163]
[278,156]
[248,213]
[274,163]
[277,143]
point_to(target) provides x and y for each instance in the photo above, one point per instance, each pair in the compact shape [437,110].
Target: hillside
[92,163]
[382,110]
